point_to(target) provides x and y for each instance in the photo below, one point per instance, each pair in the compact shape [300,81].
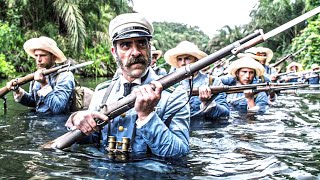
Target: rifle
[30,77]
[283,74]
[115,109]
[294,75]
[287,57]
[255,88]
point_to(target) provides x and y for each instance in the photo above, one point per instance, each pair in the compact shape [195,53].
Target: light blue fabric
[57,101]
[240,104]
[220,110]
[162,140]
[268,71]
[160,71]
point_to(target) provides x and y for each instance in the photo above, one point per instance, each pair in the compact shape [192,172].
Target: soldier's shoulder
[103,85]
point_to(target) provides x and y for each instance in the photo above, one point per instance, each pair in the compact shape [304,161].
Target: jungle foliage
[80,28]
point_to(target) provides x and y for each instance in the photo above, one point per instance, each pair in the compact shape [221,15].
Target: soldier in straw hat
[313,77]
[156,55]
[292,69]
[242,72]
[51,93]
[214,107]
[264,56]
[159,121]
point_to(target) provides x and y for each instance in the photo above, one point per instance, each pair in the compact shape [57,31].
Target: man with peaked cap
[159,121]
[212,107]
[156,54]
[49,94]
[243,72]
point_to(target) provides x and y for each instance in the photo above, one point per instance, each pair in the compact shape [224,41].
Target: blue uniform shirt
[238,102]
[162,140]
[57,99]
[221,108]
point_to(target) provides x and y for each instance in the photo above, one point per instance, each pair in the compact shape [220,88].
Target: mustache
[139,59]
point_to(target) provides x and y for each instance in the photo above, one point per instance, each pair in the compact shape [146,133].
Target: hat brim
[35,43]
[132,34]
[158,53]
[255,50]
[171,55]
[245,62]
[294,64]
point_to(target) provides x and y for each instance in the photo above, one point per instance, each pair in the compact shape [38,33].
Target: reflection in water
[282,144]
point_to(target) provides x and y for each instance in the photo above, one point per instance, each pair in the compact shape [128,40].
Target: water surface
[282,144]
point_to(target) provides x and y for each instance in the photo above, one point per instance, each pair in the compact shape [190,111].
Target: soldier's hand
[40,78]
[85,121]
[248,94]
[147,99]
[11,87]
[204,93]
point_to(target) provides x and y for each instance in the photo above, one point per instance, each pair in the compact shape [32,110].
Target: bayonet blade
[70,68]
[291,23]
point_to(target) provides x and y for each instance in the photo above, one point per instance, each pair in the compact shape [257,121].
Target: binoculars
[118,146]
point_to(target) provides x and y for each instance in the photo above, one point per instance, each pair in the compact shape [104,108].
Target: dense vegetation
[80,28]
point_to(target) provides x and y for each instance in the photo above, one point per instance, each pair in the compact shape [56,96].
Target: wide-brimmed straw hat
[245,62]
[314,66]
[294,64]
[155,51]
[254,51]
[184,47]
[44,43]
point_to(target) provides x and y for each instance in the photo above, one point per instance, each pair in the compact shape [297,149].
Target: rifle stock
[127,102]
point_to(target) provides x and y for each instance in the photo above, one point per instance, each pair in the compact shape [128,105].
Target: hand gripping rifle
[30,77]
[287,57]
[115,109]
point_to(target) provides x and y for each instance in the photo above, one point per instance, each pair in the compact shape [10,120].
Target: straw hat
[294,64]
[252,52]
[155,51]
[184,47]
[314,66]
[44,43]
[130,25]
[245,62]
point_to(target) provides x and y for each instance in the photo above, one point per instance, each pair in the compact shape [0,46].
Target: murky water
[282,144]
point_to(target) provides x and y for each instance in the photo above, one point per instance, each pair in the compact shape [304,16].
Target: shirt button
[121,128]
[123,115]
